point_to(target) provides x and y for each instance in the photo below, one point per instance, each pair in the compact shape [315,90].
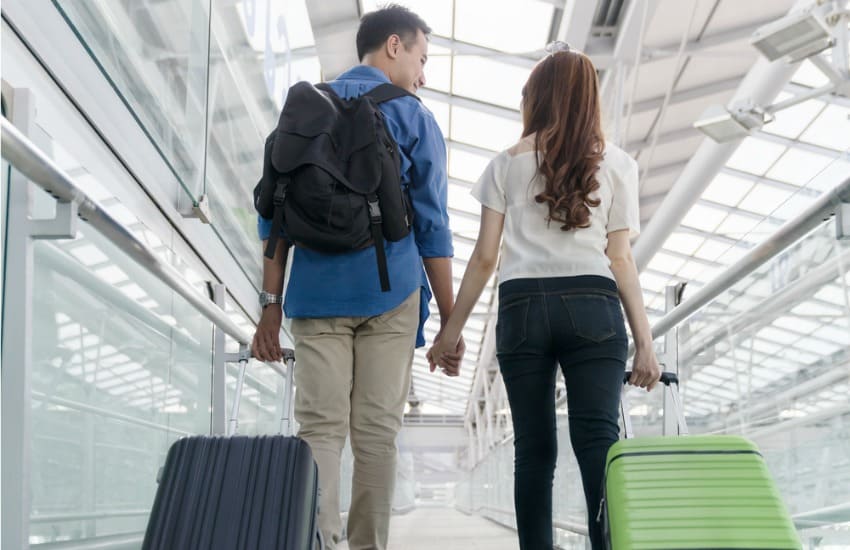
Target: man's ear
[393,46]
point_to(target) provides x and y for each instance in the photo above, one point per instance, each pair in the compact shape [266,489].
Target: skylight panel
[793,206]
[653,282]
[792,121]
[683,243]
[797,167]
[484,130]
[440,110]
[755,156]
[505,25]
[465,165]
[436,13]
[711,250]
[809,75]
[705,218]
[831,129]
[737,226]
[727,189]
[666,263]
[764,199]
[438,69]
[489,80]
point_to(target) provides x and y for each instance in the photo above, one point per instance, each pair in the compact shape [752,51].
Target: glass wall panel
[119,372]
[155,55]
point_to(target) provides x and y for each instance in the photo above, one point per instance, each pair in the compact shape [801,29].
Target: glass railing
[205,81]
[121,355]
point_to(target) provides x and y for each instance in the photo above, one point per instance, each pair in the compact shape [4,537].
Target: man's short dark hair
[377,26]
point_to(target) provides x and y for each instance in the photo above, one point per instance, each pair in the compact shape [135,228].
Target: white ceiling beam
[689,94]
[761,85]
[577,22]
[334,24]
[471,104]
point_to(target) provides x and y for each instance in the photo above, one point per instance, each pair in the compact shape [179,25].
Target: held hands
[266,344]
[447,353]
[645,370]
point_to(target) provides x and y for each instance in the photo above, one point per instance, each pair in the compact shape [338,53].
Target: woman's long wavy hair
[561,107]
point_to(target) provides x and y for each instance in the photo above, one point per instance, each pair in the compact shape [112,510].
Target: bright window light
[755,156]
[473,77]
[727,189]
[831,129]
[465,165]
[438,70]
[683,243]
[809,75]
[798,167]
[666,263]
[484,130]
[764,199]
[792,121]
[89,255]
[737,226]
[711,250]
[440,111]
[705,218]
[508,26]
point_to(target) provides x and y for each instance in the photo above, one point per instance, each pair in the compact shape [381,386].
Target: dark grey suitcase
[237,492]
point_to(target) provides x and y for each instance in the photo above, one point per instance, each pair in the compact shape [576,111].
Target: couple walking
[561,205]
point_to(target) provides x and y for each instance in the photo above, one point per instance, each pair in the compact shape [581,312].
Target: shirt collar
[364,72]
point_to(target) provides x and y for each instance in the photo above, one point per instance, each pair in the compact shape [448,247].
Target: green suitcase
[694,492]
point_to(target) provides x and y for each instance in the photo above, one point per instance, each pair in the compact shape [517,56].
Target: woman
[567,204]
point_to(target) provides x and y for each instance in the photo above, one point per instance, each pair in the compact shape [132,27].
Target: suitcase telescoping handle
[671,384]
[286,416]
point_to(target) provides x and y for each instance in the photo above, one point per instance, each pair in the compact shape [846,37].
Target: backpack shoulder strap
[386,92]
[325,87]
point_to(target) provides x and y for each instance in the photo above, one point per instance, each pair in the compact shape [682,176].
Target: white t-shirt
[532,247]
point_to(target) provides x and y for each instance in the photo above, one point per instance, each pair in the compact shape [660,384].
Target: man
[354,343]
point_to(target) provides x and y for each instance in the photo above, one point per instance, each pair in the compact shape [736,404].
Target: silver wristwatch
[267,298]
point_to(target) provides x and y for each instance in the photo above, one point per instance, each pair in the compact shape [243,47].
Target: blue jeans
[577,323]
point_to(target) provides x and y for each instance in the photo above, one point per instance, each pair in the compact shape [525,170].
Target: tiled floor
[446,529]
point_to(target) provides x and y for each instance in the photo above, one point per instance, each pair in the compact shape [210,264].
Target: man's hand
[645,370]
[446,355]
[266,344]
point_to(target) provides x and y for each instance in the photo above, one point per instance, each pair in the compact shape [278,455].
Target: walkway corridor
[447,529]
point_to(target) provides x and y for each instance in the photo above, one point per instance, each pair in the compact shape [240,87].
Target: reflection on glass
[120,370]
[160,73]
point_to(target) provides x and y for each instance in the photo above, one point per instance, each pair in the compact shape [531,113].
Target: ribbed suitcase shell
[693,492]
[235,493]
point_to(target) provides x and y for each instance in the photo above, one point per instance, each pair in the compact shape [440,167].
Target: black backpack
[331,174]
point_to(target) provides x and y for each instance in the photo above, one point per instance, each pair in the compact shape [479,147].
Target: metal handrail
[41,170]
[793,230]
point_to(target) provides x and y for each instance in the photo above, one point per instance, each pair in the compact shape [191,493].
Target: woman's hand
[447,353]
[645,370]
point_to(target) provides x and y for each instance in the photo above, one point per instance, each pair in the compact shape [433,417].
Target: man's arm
[266,345]
[439,272]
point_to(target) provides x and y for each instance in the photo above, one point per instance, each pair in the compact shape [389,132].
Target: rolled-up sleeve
[264,227]
[429,188]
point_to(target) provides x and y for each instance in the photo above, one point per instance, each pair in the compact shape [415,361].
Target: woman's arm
[481,265]
[645,369]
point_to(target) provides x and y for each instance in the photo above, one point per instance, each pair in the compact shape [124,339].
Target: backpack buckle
[374,211]
[279,195]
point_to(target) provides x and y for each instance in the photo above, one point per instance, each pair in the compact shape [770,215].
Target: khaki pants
[354,373]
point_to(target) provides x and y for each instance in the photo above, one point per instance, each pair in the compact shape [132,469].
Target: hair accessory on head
[557,46]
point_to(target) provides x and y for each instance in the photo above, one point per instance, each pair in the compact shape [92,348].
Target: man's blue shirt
[347,285]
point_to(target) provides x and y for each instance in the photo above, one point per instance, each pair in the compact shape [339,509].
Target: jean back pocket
[592,316]
[512,324]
